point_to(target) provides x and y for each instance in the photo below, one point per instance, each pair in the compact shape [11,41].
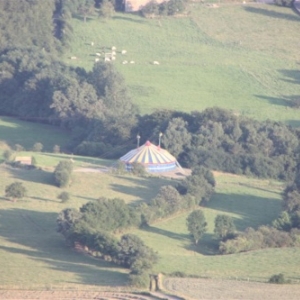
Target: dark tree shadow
[207,245]
[274,100]
[43,199]
[90,160]
[34,175]
[293,123]
[272,14]
[292,76]
[144,189]
[251,211]
[166,233]
[36,231]
[125,18]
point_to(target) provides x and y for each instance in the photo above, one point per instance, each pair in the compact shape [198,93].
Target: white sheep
[73,57]
[98,54]
[96,59]
[113,58]
[106,59]
[132,62]
[113,53]
[113,48]
[125,62]
[156,62]
[92,43]
[124,52]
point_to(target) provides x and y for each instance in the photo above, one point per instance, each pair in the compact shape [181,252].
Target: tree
[7,154]
[134,254]
[37,147]
[15,191]
[86,8]
[64,197]
[62,173]
[224,226]
[177,138]
[66,221]
[196,225]
[106,9]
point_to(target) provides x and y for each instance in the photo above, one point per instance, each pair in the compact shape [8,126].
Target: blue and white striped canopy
[154,158]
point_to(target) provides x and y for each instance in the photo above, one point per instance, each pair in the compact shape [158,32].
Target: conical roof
[152,157]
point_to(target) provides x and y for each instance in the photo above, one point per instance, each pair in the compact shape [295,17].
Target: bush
[18,148]
[151,8]
[37,147]
[120,168]
[33,161]
[286,3]
[62,173]
[56,149]
[107,9]
[64,197]
[138,169]
[278,279]
[7,155]
[139,280]
[15,191]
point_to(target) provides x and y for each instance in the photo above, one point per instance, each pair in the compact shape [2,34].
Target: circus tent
[154,158]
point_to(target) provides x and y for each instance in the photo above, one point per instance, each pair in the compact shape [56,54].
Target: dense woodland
[35,85]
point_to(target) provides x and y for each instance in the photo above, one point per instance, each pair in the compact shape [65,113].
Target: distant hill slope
[246,63]
[26,134]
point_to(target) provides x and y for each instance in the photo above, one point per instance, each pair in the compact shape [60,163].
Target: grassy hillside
[26,134]
[32,253]
[251,203]
[239,57]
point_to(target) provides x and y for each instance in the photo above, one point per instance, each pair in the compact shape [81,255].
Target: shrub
[287,3]
[107,9]
[120,168]
[33,161]
[64,197]
[278,279]
[138,169]
[151,8]
[7,155]
[62,173]
[139,280]
[18,148]
[37,147]
[56,149]
[15,191]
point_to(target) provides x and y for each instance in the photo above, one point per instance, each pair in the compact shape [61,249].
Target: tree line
[95,224]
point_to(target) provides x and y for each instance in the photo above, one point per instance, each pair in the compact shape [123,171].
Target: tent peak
[148,143]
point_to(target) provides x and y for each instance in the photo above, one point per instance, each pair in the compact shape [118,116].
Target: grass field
[240,57]
[209,58]
[32,253]
[26,134]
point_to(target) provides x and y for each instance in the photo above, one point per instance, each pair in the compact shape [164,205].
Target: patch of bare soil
[211,289]
[71,295]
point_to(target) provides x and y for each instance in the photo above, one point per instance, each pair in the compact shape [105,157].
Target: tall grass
[239,57]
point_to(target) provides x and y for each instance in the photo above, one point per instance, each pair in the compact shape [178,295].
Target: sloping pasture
[250,202]
[240,57]
[26,134]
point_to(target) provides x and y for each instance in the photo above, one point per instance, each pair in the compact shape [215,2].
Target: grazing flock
[110,54]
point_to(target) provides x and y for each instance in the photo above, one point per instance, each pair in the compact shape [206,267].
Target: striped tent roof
[149,154]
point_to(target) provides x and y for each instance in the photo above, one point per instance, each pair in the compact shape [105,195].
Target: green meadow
[239,57]
[33,254]
[26,134]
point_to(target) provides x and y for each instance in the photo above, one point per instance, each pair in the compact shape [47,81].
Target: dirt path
[71,295]
[211,289]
